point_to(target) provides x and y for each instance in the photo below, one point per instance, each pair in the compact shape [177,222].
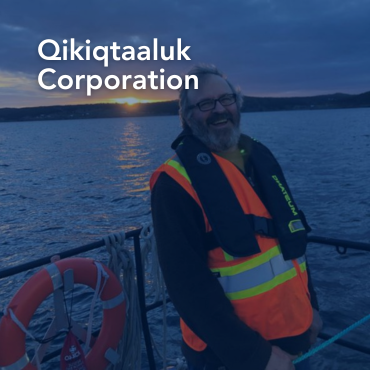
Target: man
[231,240]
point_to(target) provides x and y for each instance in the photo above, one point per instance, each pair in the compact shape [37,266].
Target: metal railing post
[141,296]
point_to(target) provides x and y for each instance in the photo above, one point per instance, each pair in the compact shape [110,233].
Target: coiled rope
[157,290]
[122,264]
[150,263]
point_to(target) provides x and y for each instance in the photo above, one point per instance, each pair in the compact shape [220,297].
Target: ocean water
[68,183]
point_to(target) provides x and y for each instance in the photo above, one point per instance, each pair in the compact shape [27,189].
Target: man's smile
[220,121]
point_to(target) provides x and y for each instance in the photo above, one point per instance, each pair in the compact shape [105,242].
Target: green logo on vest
[286,195]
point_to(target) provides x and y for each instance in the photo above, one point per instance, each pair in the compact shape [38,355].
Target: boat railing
[340,245]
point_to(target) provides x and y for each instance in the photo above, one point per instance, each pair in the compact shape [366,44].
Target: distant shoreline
[168,108]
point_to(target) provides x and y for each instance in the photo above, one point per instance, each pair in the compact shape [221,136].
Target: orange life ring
[37,289]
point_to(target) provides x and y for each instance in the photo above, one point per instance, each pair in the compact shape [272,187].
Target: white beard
[217,140]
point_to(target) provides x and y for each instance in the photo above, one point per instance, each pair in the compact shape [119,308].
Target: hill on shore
[114,110]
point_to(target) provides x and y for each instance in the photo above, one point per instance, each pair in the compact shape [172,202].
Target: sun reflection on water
[134,155]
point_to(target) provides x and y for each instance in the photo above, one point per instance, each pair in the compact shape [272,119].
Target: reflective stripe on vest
[257,275]
[177,165]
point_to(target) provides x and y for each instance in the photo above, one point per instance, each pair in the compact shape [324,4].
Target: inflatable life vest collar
[225,215]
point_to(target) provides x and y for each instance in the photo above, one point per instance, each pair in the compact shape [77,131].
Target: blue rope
[331,340]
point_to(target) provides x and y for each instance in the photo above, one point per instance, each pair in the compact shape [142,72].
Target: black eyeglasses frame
[214,102]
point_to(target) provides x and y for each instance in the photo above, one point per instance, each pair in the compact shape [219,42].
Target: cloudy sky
[267,47]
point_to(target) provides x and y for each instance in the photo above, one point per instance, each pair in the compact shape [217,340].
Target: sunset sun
[129,100]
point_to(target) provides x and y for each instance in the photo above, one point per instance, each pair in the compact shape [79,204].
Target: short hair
[201,70]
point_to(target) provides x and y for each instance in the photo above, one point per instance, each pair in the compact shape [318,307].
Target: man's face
[218,128]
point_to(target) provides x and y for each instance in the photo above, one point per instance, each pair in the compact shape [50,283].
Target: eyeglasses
[209,104]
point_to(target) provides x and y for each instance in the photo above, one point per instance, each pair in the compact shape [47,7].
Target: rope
[150,263]
[157,288]
[27,332]
[122,264]
[157,291]
[101,274]
[331,340]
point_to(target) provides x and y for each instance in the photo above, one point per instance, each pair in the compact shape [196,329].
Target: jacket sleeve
[196,294]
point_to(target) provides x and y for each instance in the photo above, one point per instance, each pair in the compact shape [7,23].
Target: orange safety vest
[269,294]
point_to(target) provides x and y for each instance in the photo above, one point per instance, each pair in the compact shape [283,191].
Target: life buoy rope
[25,302]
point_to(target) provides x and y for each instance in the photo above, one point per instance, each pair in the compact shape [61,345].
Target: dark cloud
[268,47]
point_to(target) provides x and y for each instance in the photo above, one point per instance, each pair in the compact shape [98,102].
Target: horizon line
[148,101]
